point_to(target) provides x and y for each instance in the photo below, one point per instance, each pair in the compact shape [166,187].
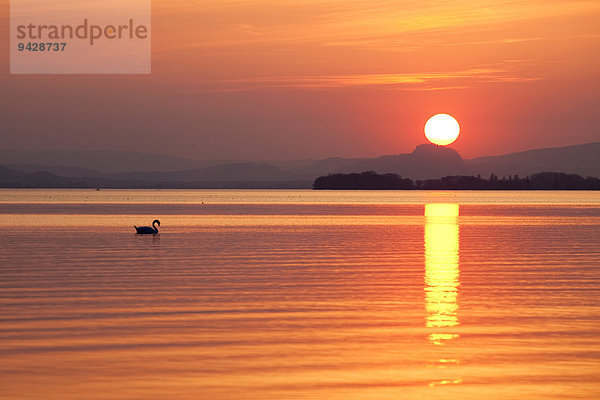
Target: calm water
[299,295]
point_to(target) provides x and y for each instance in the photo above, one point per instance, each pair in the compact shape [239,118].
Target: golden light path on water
[442,277]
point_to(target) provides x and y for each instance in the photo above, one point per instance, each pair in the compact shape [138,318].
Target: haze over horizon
[310,80]
[31,154]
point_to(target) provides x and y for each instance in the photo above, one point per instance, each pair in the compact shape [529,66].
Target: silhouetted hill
[326,165]
[232,178]
[245,172]
[238,172]
[104,161]
[430,161]
[56,170]
[10,175]
[13,178]
[583,159]
[127,169]
[426,161]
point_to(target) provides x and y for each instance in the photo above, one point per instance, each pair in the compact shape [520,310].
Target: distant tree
[540,181]
[364,180]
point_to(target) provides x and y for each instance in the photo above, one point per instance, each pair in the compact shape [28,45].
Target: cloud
[357,23]
[430,81]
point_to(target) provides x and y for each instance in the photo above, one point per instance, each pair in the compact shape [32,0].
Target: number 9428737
[35,46]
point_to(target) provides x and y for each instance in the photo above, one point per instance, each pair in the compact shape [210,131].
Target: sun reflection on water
[441,270]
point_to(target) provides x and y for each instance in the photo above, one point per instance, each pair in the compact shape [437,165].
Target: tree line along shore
[371,180]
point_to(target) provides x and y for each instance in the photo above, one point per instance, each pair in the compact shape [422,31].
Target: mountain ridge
[427,161]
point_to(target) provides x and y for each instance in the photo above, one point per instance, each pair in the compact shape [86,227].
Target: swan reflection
[441,270]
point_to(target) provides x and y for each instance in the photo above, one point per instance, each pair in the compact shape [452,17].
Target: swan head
[157,222]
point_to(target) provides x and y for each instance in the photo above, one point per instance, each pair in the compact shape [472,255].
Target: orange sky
[306,79]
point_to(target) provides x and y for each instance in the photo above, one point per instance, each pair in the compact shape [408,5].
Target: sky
[304,79]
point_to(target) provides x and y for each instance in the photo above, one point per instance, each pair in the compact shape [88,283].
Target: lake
[299,294]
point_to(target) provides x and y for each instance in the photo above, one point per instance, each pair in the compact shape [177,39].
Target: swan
[146,230]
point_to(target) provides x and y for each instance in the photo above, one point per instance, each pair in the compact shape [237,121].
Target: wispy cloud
[405,81]
[519,40]
[241,45]
[497,41]
[358,23]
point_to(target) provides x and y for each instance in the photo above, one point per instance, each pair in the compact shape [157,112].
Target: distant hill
[427,161]
[238,172]
[326,165]
[56,170]
[583,159]
[62,168]
[13,178]
[103,161]
[237,175]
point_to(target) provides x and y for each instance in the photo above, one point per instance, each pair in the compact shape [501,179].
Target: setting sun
[442,129]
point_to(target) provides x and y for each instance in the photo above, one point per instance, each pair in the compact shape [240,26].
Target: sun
[442,129]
